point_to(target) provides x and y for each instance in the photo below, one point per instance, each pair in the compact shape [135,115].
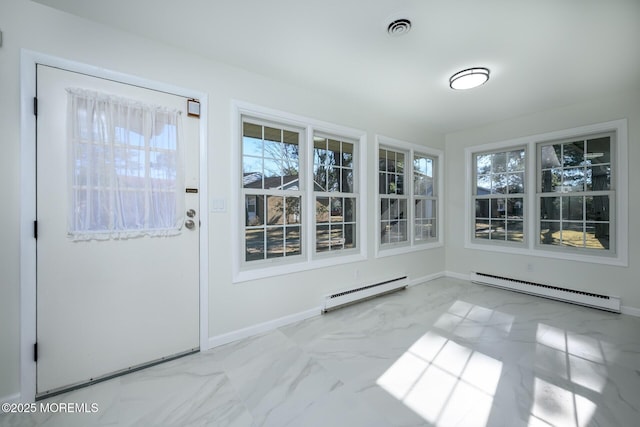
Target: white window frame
[611,193]
[355,194]
[618,255]
[265,193]
[245,271]
[410,149]
[524,196]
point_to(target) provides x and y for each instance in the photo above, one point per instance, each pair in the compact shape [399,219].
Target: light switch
[218,205]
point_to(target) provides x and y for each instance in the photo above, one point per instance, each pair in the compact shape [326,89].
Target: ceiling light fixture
[469,78]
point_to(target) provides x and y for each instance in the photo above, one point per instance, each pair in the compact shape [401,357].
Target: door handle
[189,224]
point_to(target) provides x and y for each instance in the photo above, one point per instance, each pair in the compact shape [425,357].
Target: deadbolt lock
[191,213]
[189,224]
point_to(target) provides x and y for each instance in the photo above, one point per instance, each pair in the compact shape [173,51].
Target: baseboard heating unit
[589,299]
[351,296]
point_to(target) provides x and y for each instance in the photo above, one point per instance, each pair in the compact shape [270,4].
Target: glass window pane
[385,211]
[551,180]
[550,233]
[515,182]
[382,183]
[290,160]
[483,164]
[275,210]
[293,246]
[550,156]
[599,150]
[385,232]
[275,242]
[333,152]
[349,236]
[322,238]
[420,210]
[399,167]
[598,178]
[337,237]
[572,234]
[499,183]
[515,231]
[420,165]
[382,160]
[483,229]
[482,208]
[597,236]
[252,146]
[320,178]
[550,208]
[516,161]
[399,187]
[290,137]
[333,178]
[399,231]
[347,155]
[254,210]
[572,208]
[349,209]
[252,131]
[499,162]
[272,134]
[346,180]
[597,208]
[498,230]
[322,209]
[483,185]
[251,172]
[573,179]
[497,208]
[336,210]
[254,244]
[320,153]
[573,153]
[515,207]
[292,210]
[272,174]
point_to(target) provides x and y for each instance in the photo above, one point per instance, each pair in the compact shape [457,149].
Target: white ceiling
[542,54]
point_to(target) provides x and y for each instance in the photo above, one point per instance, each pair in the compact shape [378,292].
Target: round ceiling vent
[399,27]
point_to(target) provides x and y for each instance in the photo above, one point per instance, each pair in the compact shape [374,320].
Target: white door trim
[28,61]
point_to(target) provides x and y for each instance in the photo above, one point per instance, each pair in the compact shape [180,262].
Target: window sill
[264,272]
[399,250]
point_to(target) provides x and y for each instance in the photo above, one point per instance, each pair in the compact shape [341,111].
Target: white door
[107,305]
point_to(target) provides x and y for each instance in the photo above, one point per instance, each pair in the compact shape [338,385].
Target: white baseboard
[12,398]
[270,325]
[460,276]
[630,311]
[425,279]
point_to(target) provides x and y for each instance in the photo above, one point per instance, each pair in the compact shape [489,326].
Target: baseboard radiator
[351,296]
[589,299]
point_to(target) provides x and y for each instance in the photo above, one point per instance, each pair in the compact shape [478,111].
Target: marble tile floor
[444,353]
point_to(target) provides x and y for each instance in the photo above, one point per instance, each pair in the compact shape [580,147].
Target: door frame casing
[28,262]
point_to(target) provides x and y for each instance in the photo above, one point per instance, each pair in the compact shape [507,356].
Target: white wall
[26,25]
[621,281]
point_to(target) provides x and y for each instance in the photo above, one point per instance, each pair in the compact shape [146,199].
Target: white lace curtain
[126,164]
